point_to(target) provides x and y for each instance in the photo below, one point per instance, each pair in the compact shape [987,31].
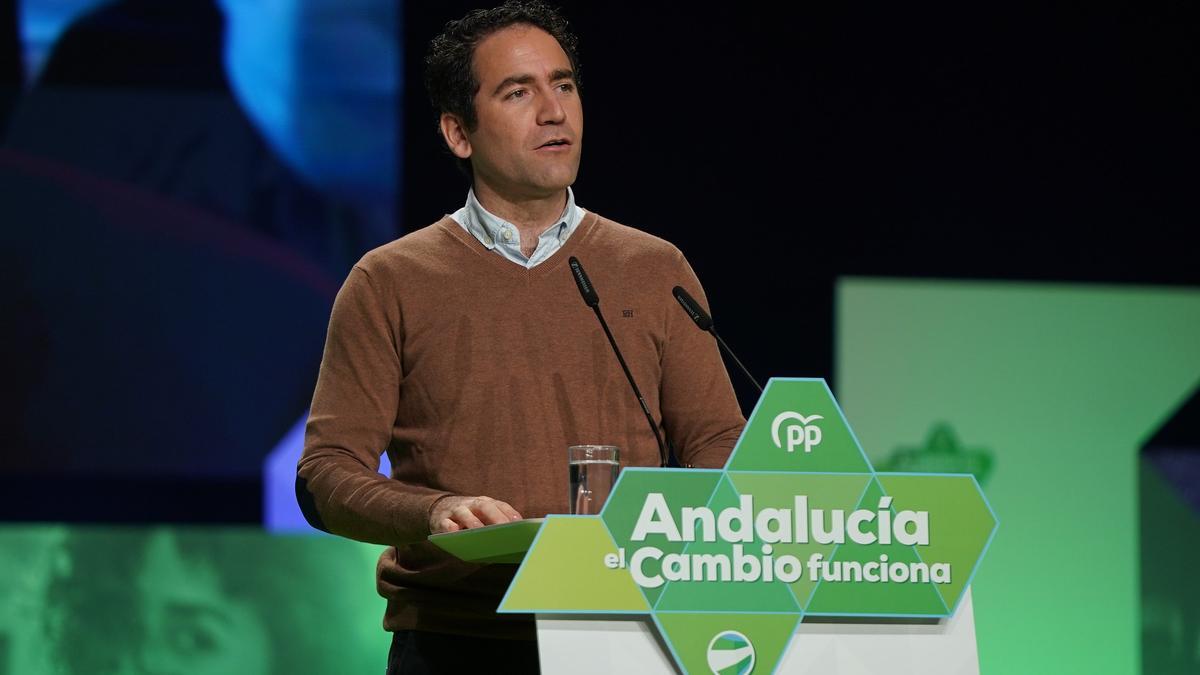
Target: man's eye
[567,86]
[519,93]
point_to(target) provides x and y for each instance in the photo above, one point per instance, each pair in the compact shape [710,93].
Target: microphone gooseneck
[592,299]
[705,323]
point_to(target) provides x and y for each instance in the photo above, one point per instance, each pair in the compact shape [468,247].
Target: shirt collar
[489,228]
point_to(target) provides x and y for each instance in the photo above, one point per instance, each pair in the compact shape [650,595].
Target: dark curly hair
[449,77]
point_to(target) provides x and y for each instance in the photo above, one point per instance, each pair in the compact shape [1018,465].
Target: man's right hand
[454,513]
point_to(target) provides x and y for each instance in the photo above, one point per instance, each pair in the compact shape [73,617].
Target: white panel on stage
[599,645]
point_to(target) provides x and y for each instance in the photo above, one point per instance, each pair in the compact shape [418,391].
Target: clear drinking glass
[594,470]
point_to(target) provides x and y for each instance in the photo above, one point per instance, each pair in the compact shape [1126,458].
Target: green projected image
[186,600]
[1045,392]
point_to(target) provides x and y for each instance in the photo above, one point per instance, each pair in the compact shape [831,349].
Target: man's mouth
[557,142]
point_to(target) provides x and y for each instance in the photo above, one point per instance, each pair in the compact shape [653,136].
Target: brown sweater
[474,375]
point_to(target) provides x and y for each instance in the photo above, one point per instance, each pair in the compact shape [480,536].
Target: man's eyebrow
[525,78]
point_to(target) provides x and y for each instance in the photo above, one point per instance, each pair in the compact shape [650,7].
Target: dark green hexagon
[798,426]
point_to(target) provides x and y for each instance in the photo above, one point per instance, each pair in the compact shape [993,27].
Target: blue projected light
[281,513]
[321,79]
[42,22]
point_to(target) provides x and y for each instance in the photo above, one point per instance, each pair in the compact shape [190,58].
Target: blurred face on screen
[528,140]
[191,625]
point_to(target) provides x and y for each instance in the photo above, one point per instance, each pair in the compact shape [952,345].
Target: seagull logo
[805,433]
[730,653]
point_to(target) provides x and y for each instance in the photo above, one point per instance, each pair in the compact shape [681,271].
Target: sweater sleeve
[350,426]
[700,411]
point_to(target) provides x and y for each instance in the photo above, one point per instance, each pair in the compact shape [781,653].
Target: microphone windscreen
[585,285]
[689,304]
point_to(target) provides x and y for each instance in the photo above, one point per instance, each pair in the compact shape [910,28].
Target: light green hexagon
[564,571]
[956,505]
[882,598]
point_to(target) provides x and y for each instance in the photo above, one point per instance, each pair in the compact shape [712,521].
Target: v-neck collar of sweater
[582,233]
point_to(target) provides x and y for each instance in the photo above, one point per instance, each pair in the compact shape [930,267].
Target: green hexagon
[731,594]
[797,426]
[957,505]
[824,491]
[565,571]
[679,489]
[874,599]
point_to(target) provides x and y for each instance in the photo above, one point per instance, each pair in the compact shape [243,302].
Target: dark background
[783,146]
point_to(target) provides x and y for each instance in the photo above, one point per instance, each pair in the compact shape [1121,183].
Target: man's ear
[455,134]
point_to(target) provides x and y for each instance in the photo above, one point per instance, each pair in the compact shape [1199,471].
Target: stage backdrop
[1047,392]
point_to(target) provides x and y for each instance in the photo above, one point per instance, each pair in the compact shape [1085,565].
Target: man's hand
[454,513]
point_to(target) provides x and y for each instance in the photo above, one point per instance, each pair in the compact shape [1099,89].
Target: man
[465,351]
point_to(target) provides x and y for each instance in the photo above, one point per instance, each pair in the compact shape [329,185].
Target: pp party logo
[801,433]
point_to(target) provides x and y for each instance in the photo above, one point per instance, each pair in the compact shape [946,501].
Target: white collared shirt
[503,237]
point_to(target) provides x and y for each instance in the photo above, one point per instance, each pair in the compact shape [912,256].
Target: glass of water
[594,469]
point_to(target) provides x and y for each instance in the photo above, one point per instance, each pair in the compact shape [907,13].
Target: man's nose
[552,111]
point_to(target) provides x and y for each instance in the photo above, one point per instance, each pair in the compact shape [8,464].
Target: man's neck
[531,216]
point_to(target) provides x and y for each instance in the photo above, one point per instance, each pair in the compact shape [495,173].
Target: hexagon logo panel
[798,524]
[797,426]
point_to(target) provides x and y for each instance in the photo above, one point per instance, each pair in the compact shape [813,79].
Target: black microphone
[588,291]
[585,287]
[705,323]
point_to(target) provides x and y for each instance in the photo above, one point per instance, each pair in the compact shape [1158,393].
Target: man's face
[527,100]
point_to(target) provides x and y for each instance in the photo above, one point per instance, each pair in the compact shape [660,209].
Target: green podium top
[506,543]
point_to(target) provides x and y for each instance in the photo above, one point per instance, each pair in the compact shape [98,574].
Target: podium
[570,644]
[795,557]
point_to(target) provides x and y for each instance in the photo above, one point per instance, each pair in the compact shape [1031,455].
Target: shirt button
[507,235]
